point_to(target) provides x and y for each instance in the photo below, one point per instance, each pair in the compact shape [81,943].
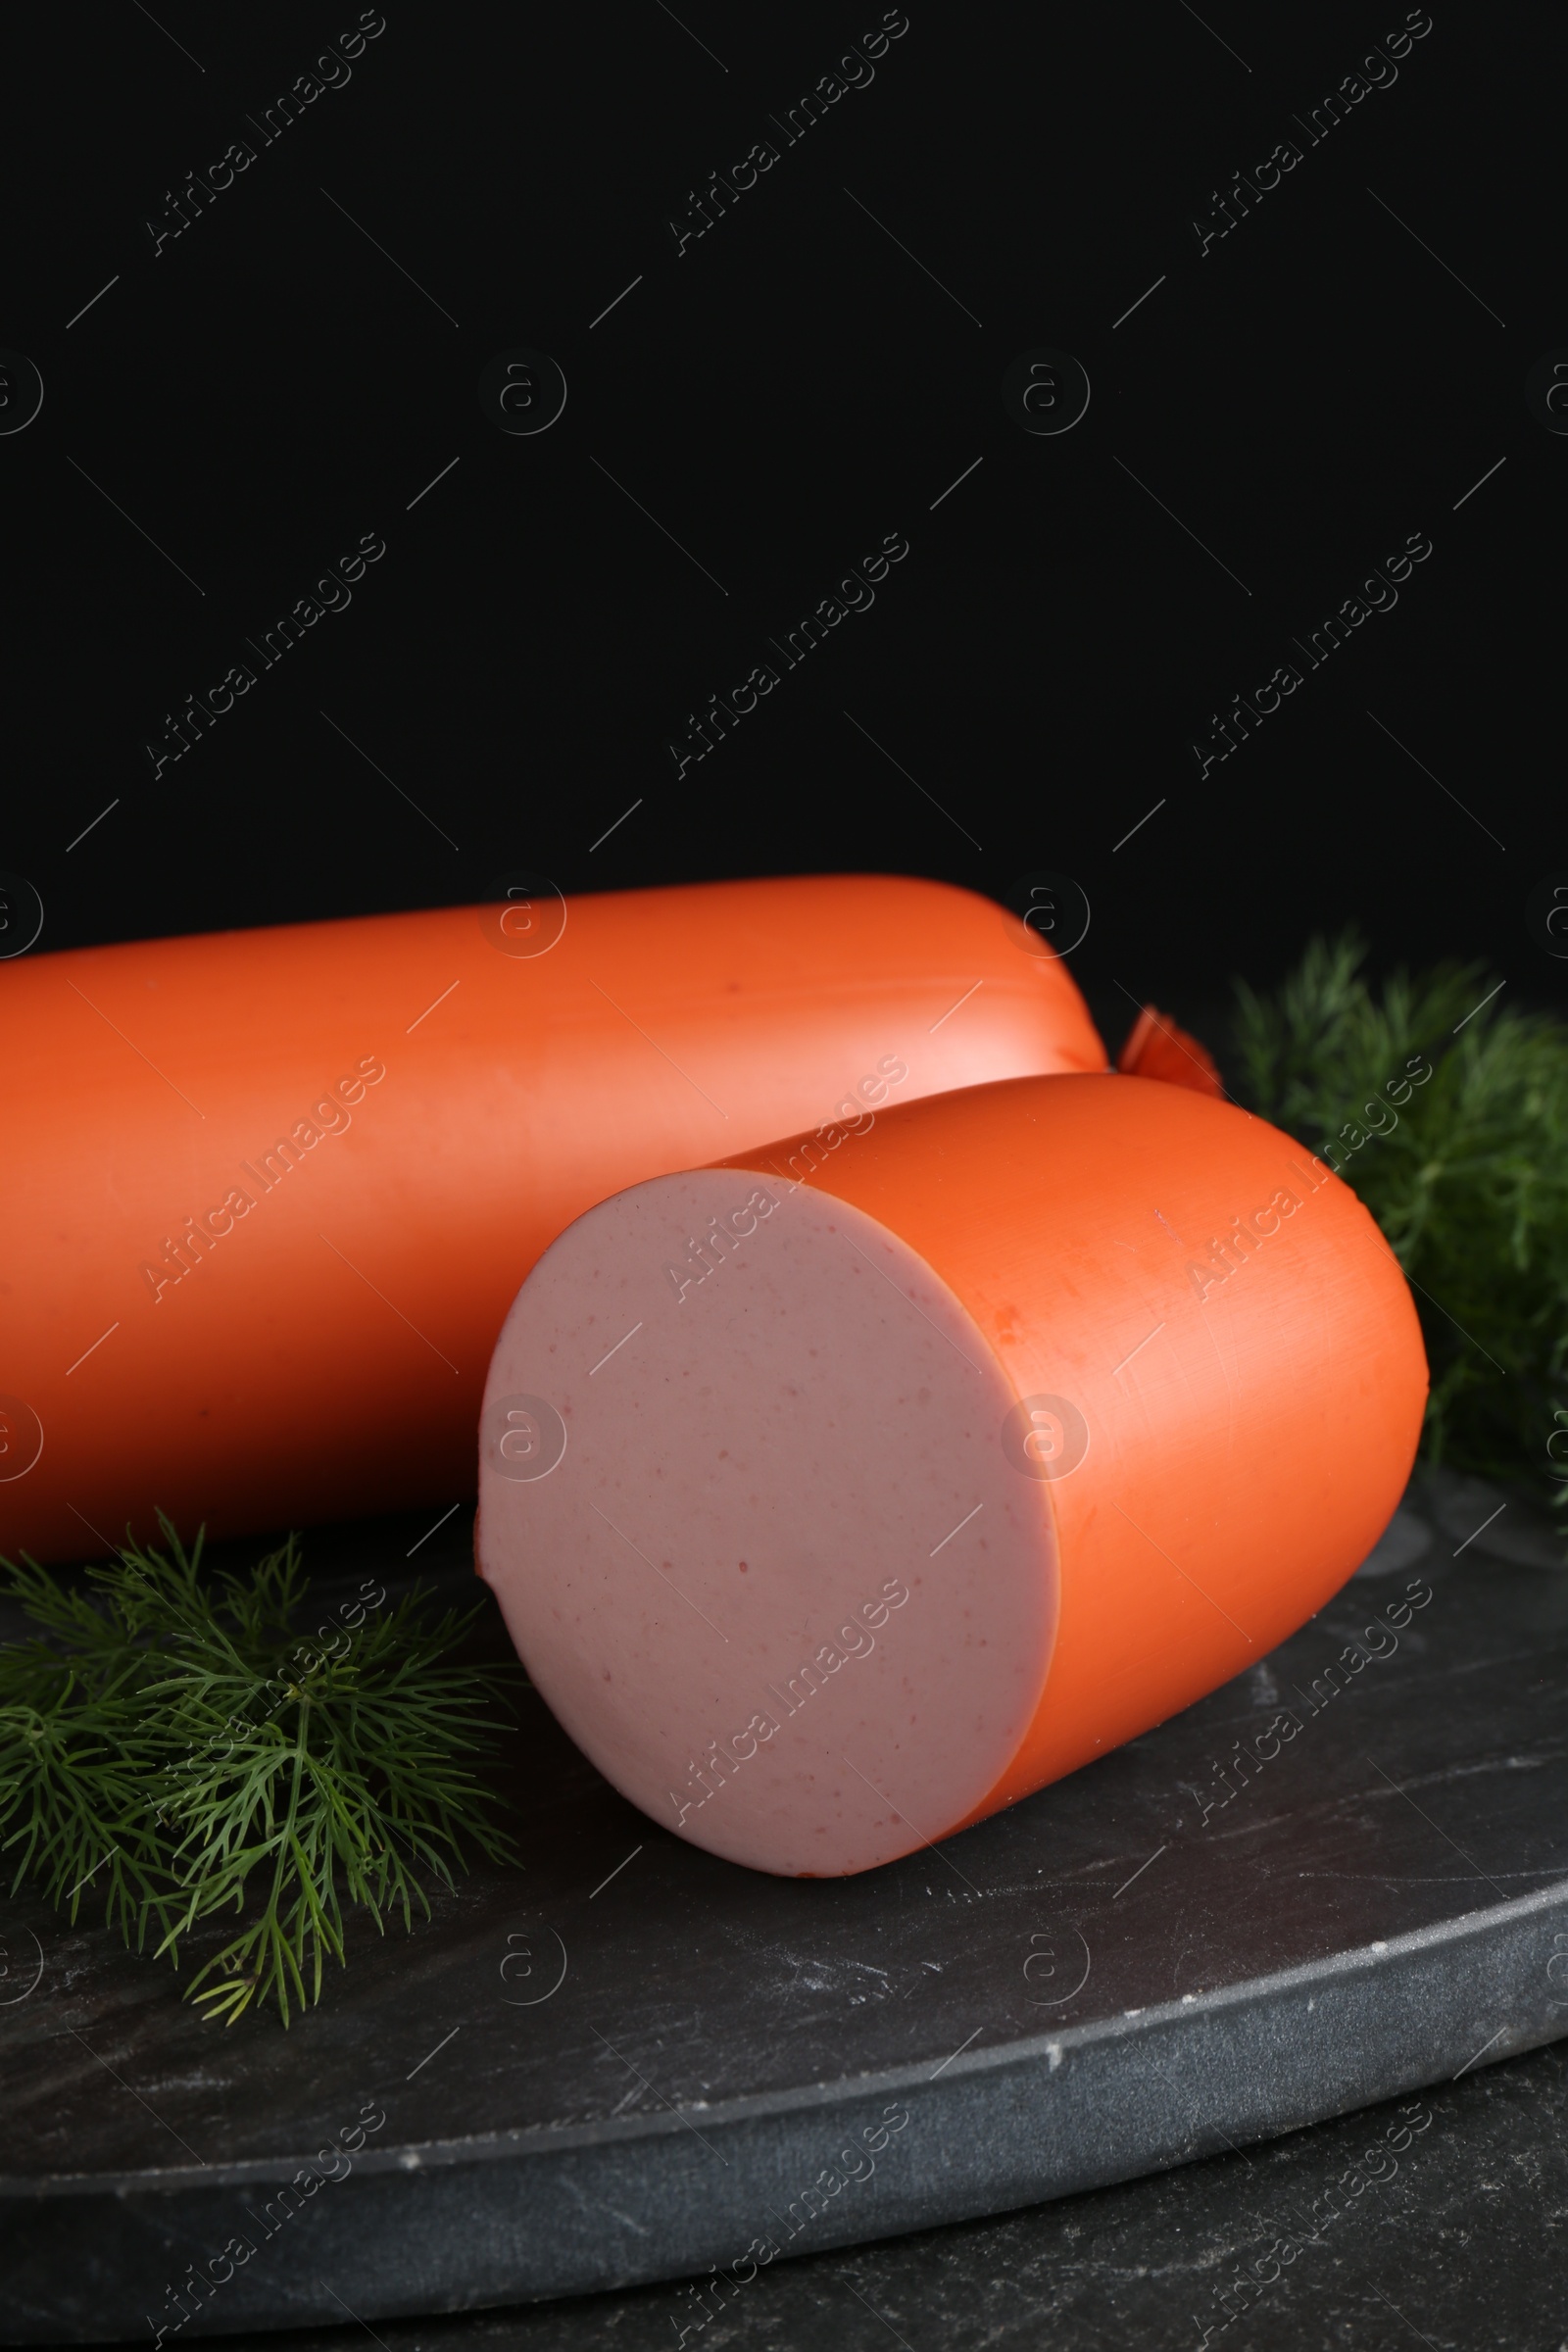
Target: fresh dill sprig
[167,1740]
[1465,1170]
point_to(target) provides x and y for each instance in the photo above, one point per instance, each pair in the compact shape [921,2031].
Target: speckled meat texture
[733,1587]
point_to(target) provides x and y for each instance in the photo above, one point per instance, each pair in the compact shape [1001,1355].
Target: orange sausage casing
[940,1461]
[269,1194]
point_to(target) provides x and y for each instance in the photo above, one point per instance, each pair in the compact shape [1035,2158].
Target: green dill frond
[1465,1168]
[168,1741]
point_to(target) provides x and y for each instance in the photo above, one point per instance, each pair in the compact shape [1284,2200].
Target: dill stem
[286,1840]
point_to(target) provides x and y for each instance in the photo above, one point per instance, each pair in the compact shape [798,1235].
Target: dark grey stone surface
[590,2081]
[1461,2246]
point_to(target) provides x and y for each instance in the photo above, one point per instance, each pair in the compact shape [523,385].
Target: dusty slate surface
[1463,2245]
[588,2085]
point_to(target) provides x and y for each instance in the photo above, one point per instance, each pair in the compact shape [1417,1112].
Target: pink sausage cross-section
[755,1582]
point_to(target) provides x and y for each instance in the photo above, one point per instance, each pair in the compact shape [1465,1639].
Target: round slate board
[631,2061]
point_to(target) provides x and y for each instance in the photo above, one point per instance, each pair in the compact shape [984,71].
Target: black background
[794,386]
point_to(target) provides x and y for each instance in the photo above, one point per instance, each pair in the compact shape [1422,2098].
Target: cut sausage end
[746,1503]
